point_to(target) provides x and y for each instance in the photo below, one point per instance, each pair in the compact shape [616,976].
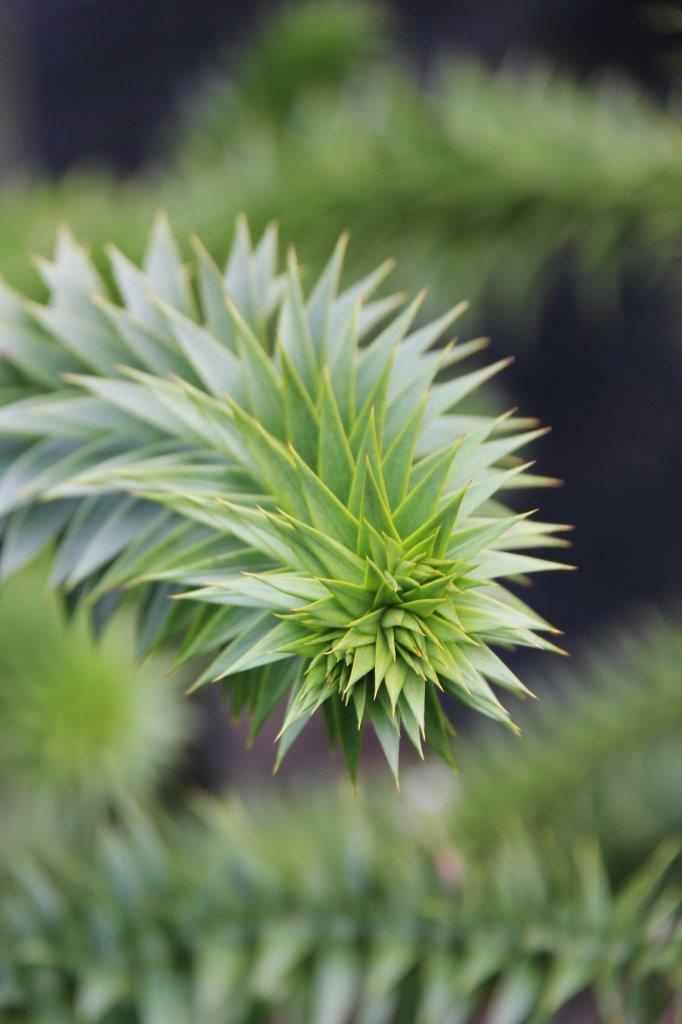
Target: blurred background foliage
[83,725]
[527,157]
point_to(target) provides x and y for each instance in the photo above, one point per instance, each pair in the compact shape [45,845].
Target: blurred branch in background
[482,181]
[393,907]
[82,726]
[240,920]
[602,758]
[103,78]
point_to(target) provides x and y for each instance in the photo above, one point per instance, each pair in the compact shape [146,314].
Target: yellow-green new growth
[291,468]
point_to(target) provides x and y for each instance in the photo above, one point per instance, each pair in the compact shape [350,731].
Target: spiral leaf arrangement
[294,469]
